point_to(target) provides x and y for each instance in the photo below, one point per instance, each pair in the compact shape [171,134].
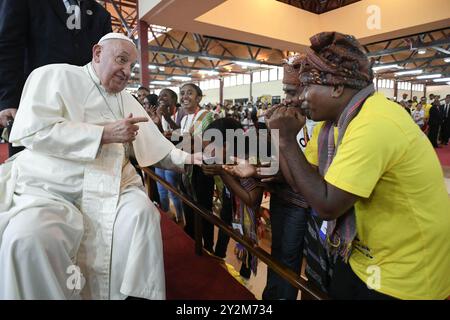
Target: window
[391,84]
[232,81]
[239,79]
[383,83]
[216,84]
[226,81]
[256,77]
[280,73]
[273,74]
[264,75]
[246,79]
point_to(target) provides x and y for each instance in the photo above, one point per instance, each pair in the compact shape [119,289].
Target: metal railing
[308,292]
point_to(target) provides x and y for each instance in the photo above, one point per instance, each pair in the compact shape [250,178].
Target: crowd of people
[359,192]
[304,227]
[432,116]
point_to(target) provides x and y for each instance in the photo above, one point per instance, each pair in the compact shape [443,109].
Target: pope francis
[75,222]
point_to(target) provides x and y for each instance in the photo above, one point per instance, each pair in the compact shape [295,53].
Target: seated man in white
[71,200]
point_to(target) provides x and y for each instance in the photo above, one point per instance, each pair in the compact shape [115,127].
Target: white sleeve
[175,160]
[67,140]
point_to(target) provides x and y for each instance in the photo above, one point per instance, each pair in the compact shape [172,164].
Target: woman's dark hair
[172,94]
[196,88]
[152,99]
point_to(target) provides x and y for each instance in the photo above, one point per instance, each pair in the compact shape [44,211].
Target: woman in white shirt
[419,115]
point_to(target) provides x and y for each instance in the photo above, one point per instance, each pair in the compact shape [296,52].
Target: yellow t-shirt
[427,110]
[403,216]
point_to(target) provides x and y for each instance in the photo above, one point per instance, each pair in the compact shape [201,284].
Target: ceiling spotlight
[191,59]
[422,51]
[162,68]
[447,60]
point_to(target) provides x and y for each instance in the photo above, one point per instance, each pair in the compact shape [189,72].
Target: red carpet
[3,152]
[444,155]
[192,277]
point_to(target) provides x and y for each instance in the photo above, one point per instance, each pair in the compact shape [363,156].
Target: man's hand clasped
[286,119]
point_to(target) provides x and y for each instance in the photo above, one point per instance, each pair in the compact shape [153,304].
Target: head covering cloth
[336,59]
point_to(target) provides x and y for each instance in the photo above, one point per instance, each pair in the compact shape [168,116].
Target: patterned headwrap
[336,59]
[291,68]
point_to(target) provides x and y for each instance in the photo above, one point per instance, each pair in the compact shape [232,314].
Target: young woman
[197,185]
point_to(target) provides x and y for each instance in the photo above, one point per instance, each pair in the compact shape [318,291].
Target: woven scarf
[342,231]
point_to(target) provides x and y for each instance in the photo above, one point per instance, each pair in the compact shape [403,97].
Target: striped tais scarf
[342,231]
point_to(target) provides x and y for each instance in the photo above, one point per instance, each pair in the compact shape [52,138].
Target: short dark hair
[144,88]
[196,88]
[152,99]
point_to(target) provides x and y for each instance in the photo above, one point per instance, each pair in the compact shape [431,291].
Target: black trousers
[445,132]
[345,285]
[204,188]
[433,135]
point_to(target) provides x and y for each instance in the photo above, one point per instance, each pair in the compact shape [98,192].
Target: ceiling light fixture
[247,64]
[429,76]
[163,83]
[386,66]
[181,78]
[408,72]
[422,51]
[442,80]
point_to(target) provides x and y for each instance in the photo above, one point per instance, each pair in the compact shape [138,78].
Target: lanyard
[193,118]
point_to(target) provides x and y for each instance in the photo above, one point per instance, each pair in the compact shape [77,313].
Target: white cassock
[66,202]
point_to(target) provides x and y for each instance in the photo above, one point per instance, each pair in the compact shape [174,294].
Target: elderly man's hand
[6,115]
[288,120]
[122,131]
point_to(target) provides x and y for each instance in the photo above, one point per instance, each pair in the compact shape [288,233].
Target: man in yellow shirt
[380,186]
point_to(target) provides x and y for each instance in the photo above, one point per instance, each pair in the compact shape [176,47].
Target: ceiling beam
[206,55]
[182,67]
[412,60]
[428,68]
[414,46]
